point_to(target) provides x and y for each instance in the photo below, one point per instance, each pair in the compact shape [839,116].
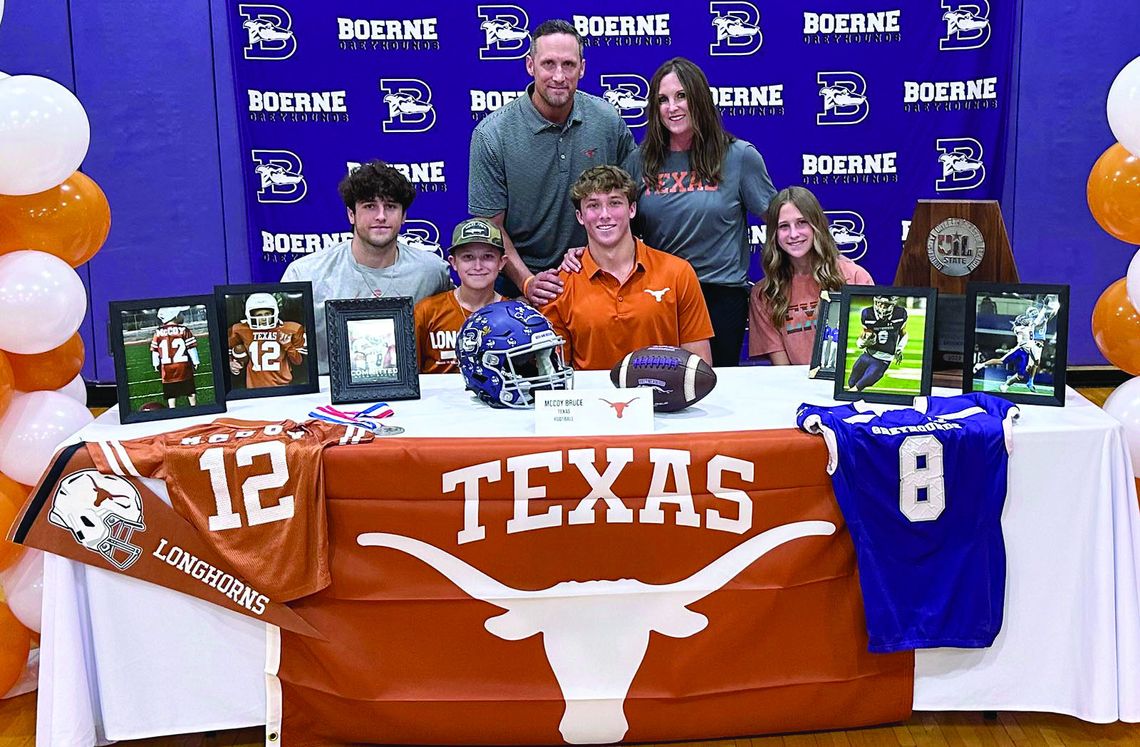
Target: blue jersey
[922,490]
[885,333]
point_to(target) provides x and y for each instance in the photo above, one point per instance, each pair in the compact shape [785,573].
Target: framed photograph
[164,364]
[825,350]
[886,343]
[266,329]
[372,349]
[1017,339]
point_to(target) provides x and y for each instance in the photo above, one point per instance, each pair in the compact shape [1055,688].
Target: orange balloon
[15,642]
[1116,328]
[1114,193]
[12,497]
[49,370]
[71,220]
[7,382]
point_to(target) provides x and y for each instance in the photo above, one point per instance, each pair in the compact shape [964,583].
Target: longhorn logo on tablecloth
[737,26]
[596,633]
[843,95]
[962,164]
[409,105]
[967,25]
[505,33]
[848,230]
[279,176]
[269,32]
[629,94]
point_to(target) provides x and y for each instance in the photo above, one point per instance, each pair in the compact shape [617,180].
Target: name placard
[594,412]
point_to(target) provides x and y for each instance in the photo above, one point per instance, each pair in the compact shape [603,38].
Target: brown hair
[710,140]
[603,180]
[775,286]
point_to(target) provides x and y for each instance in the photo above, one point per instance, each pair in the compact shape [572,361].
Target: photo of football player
[882,341]
[372,350]
[264,346]
[174,356]
[1017,361]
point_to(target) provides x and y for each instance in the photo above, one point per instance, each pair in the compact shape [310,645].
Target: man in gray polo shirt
[526,155]
[373,263]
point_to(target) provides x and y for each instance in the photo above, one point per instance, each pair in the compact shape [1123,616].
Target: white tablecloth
[123,659]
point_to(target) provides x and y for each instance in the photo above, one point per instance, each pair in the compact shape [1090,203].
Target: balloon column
[1114,199]
[52,220]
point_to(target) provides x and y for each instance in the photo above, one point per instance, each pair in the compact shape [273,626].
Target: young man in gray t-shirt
[373,263]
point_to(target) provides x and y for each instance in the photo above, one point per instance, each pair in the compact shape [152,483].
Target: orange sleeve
[140,457]
[553,313]
[695,324]
[234,339]
[420,315]
[296,349]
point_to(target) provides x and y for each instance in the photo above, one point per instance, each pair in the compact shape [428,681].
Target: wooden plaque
[952,242]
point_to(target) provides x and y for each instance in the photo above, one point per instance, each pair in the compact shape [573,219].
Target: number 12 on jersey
[213,462]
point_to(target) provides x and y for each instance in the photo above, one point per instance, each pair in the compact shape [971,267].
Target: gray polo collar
[539,123]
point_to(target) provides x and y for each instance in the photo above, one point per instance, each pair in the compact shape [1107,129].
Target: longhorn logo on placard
[409,105]
[505,34]
[962,165]
[423,235]
[737,26]
[967,25]
[629,94]
[843,94]
[269,32]
[848,230]
[279,176]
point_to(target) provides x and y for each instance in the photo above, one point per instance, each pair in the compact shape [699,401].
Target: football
[678,378]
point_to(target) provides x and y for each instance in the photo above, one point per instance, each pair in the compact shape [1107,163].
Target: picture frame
[140,337]
[1017,341]
[372,349]
[267,355]
[886,348]
[825,348]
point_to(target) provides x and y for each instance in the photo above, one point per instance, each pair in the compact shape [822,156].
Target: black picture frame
[262,361]
[368,337]
[825,348]
[890,386]
[995,337]
[134,327]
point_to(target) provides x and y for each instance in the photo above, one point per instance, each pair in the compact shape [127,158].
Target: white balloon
[44,134]
[76,389]
[23,585]
[1,10]
[1124,107]
[34,424]
[1124,405]
[42,301]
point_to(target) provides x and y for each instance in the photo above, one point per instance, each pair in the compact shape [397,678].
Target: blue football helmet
[507,351]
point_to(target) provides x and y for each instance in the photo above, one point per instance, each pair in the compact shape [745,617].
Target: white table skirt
[123,659]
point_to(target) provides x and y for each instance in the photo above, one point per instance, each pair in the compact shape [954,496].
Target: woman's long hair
[710,141]
[778,271]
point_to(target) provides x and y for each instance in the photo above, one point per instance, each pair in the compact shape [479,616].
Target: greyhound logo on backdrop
[749,101]
[626,31]
[387,34]
[848,230]
[844,97]
[485,102]
[279,175]
[505,34]
[629,94]
[967,25]
[422,235]
[737,26]
[425,176]
[852,28]
[409,105]
[962,165]
[268,32]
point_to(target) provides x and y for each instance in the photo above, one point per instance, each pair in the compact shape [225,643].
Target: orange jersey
[173,343]
[438,319]
[660,303]
[268,353]
[252,489]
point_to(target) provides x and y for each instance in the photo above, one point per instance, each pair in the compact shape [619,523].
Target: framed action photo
[266,332]
[1017,339]
[886,344]
[164,367]
[372,349]
[825,350]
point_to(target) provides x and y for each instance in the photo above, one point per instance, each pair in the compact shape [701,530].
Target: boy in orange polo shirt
[627,295]
[476,255]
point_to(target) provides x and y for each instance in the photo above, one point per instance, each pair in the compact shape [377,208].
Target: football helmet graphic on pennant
[262,302]
[884,305]
[507,351]
[101,512]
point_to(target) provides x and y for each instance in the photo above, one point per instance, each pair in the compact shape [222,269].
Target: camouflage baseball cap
[476,231]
